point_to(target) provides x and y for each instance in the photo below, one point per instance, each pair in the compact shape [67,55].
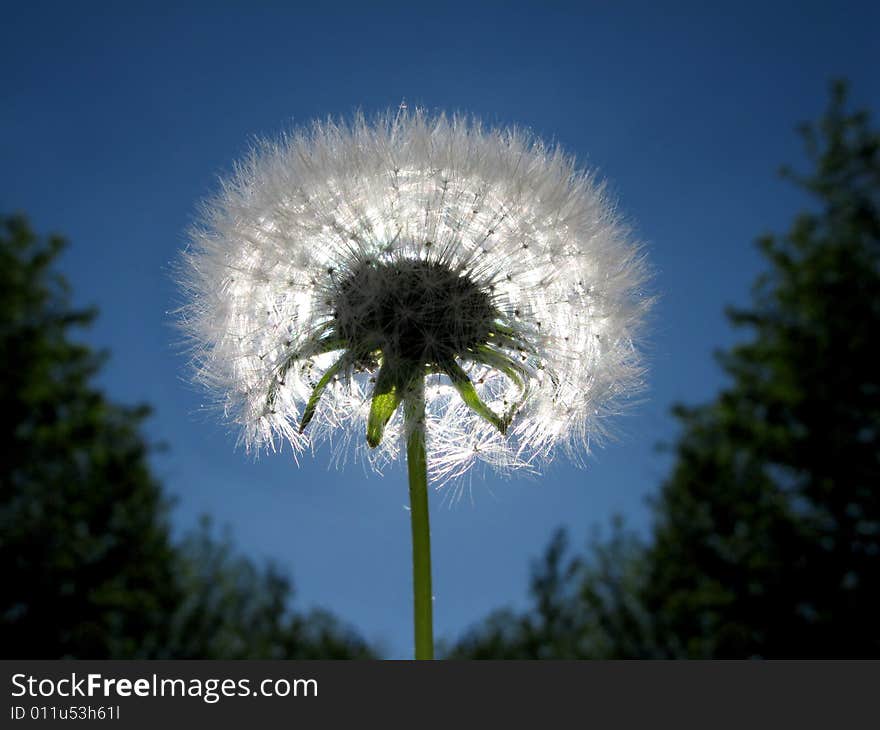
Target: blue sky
[115,119]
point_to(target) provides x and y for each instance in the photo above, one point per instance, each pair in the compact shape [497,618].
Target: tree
[83,537]
[768,534]
[233,609]
[767,531]
[582,607]
[89,569]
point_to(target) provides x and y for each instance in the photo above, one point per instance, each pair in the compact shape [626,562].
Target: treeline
[89,568]
[766,534]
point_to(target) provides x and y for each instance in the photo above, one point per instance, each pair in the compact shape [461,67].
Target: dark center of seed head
[414,311]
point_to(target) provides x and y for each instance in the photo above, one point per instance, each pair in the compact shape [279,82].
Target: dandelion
[417,284]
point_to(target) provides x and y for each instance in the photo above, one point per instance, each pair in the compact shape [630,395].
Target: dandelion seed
[341,266]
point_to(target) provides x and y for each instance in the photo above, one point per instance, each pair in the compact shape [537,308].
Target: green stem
[417,465]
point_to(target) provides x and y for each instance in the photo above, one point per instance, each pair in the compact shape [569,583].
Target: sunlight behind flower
[513,219]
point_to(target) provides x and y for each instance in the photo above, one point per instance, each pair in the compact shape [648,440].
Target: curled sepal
[309,412]
[469,395]
[312,348]
[504,336]
[504,364]
[386,398]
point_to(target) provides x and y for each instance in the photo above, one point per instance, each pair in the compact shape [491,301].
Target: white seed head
[343,261]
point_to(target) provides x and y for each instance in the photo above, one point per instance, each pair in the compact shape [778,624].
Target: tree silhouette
[767,531]
[233,609]
[768,537]
[586,607]
[89,569]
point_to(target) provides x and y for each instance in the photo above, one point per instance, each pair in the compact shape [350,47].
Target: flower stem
[417,465]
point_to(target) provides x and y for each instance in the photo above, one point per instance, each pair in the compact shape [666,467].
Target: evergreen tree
[83,537]
[89,569]
[582,607]
[767,533]
[231,608]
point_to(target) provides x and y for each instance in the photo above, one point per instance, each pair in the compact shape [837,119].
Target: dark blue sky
[116,119]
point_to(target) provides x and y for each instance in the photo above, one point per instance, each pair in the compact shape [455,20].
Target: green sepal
[309,412]
[504,364]
[503,329]
[504,336]
[312,348]
[386,398]
[469,395]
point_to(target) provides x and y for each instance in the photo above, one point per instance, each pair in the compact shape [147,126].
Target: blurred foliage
[583,607]
[233,609]
[89,569]
[766,539]
[767,531]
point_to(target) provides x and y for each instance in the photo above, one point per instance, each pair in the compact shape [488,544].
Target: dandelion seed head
[338,261]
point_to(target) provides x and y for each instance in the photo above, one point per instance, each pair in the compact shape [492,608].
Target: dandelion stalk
[344,265]
[417,466]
